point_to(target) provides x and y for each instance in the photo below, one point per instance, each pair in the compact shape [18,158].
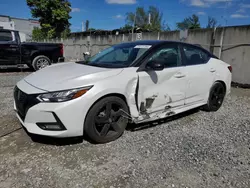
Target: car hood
[70,75]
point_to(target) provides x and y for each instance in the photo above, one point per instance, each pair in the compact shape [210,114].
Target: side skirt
[167,113]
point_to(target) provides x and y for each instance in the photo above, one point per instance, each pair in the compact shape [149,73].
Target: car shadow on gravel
[54,141]
[137,127]
[131,127]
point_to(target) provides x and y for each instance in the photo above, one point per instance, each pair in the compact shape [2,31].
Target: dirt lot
[198,149]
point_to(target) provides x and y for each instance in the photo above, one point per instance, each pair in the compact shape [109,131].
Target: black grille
[24,102]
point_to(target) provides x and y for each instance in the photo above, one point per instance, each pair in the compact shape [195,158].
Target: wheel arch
[122,96]
[223,83]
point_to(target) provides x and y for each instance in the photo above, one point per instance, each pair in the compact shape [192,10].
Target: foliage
[150,19]
[53,16]
[65,34]
[212,23]
[191,22]
[37,34]
[127,27]
[92,29]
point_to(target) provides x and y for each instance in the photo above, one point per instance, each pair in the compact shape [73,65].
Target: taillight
[61,49]
[230,68]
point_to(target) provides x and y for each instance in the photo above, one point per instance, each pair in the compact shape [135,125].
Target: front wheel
[106,120]
[216,97]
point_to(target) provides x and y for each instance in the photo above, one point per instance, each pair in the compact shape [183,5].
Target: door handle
[179,75]
[212,70]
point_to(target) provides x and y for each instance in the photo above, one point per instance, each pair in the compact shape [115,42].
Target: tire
[40,62]
[216,97]
[106,120]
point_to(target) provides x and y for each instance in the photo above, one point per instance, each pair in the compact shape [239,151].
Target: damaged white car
[130,82]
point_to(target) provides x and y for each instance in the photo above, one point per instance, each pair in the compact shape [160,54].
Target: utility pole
[149,19]
[133,27]
[82,26]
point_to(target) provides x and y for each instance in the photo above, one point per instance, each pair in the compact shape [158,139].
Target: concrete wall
[236,51]
[235,42]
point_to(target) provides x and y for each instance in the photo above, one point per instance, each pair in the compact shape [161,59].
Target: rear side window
[195,56]
[5,36]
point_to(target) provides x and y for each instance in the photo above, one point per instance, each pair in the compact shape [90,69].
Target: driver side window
[168,55]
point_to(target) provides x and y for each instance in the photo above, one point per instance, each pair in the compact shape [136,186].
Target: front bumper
[68,116]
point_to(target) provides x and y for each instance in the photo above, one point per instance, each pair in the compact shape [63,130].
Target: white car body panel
[166,87]
[197,88]
[68,75]
[172,90]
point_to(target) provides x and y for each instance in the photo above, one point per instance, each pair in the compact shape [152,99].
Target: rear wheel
[216,97]
[40,62]
[106,120]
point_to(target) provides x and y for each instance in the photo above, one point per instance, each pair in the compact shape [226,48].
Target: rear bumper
[61,59]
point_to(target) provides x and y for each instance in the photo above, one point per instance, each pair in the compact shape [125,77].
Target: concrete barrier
[231,44]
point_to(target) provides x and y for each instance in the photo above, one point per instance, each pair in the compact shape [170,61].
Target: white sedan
[130,82]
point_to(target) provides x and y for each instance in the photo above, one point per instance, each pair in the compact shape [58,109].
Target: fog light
[51,127]
[55,126]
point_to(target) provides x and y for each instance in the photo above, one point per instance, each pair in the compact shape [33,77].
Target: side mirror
[86,55]
[155,65]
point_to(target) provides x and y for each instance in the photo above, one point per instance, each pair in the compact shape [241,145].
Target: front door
[165,89]
[9,49]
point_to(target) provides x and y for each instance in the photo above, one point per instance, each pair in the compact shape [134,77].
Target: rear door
[200,74]
[9,48]
[159,90]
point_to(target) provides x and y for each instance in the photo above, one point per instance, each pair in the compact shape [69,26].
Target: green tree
[127,27]
[191,22]
[37,34]
[53,16]
[151,19]
[212,22]
[92,29]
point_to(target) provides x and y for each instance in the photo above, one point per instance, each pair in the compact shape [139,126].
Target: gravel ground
[197,149]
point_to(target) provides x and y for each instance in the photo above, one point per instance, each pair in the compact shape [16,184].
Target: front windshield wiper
[100,65]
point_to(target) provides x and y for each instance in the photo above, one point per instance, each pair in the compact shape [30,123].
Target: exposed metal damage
[145,108]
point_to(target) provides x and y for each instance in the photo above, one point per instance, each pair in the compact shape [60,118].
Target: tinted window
[118,56]
[5,36]
[169,56]
[195,56]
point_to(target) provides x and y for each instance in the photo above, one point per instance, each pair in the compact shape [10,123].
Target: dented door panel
[159,90]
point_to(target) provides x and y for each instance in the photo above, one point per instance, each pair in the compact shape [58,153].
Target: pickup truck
[14,53]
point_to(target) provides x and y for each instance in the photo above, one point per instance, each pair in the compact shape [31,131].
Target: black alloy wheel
[216,97]
[106,120]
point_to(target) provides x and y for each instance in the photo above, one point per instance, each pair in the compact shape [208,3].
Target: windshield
[118,56]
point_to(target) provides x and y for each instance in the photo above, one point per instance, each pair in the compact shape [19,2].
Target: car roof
[159,42]
[156,42]
[145,42]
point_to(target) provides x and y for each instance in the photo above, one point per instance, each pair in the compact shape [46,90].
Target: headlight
[61,96]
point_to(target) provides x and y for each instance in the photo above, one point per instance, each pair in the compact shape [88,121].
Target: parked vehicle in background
[14,53]
[137,82]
